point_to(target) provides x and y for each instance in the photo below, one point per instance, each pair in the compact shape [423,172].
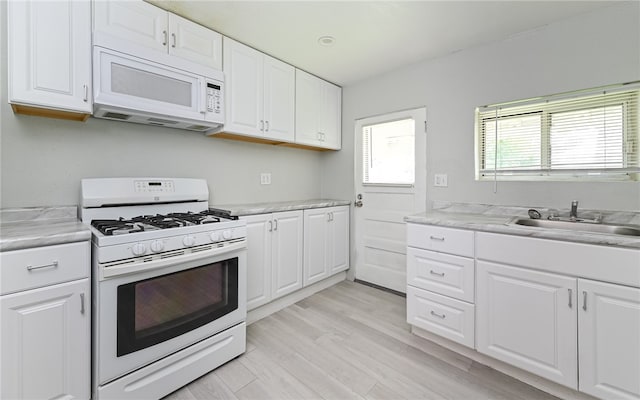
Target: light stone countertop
[498,219]
[22,228]
[237,210]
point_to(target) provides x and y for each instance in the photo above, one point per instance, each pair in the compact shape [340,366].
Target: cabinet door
[46,342]
[286,259]
[134,21]
[49,51]
[194,42]
[338,239]
[330,117]
[259,229]
[308,101]
[316,257]
[609,338]
[243,69]
[528,319]
[279,95]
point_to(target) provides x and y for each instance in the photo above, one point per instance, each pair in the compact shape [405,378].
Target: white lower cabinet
[544,306]
[609,340]
[441,315]
[274,256]
[46,342]
[326,243]
[440,282]
[45,315]
[528,319]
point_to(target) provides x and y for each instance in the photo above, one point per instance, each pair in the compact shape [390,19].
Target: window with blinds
[572,135]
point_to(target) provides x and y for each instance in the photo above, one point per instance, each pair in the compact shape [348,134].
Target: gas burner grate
[112,227]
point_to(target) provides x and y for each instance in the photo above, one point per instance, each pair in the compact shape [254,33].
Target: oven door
[144,316]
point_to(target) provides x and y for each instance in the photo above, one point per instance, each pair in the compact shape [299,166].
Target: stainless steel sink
[625,230]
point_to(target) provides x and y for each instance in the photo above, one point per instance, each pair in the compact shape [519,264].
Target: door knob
[358,203]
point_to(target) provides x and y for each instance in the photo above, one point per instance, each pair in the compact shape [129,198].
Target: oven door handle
[139,266]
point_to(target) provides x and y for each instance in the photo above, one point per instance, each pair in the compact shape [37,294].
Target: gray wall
[590,50]
[42,160]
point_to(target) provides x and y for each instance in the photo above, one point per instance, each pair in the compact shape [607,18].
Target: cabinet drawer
[445,240]
[444,316]
[441,273]
[43,266]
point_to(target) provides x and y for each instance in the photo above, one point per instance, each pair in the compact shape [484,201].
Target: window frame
[546,106]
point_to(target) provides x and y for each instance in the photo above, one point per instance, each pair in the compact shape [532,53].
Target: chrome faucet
[573,214]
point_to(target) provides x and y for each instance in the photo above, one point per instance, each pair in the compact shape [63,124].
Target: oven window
[163,307]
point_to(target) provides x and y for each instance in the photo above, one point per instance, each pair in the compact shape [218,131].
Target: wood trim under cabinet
[250,139]
[49,113]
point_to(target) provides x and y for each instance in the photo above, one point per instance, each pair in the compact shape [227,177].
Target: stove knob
[189,241]
[215,237]
[139,249]
[157,246]
[226,234]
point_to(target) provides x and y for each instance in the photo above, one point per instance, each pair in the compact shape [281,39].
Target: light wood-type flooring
[349,341]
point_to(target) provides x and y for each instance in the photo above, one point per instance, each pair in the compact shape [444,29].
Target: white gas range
[169,285]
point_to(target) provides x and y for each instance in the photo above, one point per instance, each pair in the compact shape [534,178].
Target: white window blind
[580,134]
[388,153]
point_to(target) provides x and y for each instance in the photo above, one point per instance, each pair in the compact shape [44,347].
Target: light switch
[265,178]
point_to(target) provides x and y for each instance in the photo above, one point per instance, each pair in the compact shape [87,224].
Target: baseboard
[536,381]
[267,309]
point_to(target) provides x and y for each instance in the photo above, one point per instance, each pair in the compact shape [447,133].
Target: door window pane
[389,152]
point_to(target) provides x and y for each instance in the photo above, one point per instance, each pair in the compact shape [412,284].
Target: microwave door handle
[202,104]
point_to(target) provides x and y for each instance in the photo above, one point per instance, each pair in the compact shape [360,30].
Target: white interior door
[390,182]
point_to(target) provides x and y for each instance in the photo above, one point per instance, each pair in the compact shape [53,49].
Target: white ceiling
[371,37]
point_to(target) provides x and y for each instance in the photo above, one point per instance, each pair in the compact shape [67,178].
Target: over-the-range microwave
[132,89]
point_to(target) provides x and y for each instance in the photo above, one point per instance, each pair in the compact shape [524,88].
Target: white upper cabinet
[194,42]
[130,26]
[49,57]
[260,94]
[318,112]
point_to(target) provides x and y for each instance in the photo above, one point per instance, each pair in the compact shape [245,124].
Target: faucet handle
[574,203]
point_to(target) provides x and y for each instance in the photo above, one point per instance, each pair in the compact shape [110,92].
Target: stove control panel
[153,186]
[170,243]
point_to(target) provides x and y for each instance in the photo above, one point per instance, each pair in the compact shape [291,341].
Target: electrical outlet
[265,178]
[440,180]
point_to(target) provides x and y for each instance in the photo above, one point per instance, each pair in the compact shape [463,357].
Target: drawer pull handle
[438,238]
[584,300]
[435,314]
[432,272]
[81,303]
[570,298]
[52,265]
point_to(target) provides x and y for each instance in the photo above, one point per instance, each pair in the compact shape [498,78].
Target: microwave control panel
[213,98]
